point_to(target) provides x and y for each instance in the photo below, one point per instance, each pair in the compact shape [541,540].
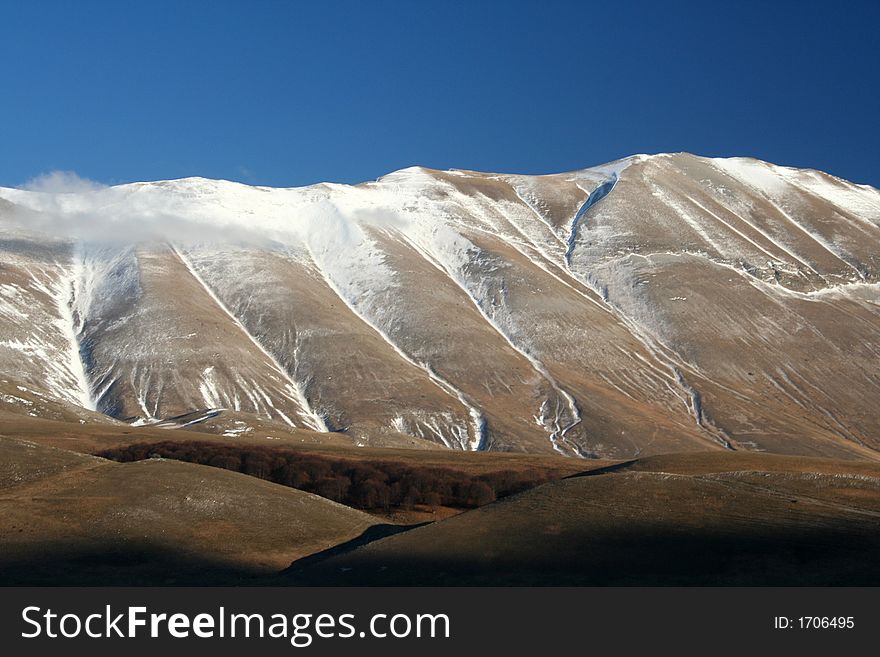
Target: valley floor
[68,517]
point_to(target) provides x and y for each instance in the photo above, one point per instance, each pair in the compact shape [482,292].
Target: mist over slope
[655,304]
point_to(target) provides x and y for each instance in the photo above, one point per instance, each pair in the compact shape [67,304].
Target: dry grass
[672,520]
[88,520]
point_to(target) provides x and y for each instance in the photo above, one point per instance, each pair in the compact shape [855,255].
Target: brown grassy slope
[23,462]
[714,462]
[76,519]
[88,438]
[746,521]
[93,438]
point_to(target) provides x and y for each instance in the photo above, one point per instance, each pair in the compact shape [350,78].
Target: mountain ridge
[428,169]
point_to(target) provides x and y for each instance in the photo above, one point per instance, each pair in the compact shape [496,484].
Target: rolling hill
[76,519]
[729,520]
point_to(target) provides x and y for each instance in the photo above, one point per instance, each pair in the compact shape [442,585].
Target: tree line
[368,485]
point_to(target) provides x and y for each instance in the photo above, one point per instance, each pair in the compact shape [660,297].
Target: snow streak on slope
[477,439]
[548,262]
[65,376]
[690,397]
[584,287]
[71,327]
[560,427]
[311,419]
[774,184]
[481,277]
[666,369]
[107,276]
[597,195]
[462,262]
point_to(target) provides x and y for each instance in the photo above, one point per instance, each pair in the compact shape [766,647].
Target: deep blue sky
[289,93]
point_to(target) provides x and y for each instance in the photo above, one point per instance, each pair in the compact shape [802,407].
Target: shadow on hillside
[608,469]
[156,566]
[648,557]
[374,533]
[626,556]
[120,566]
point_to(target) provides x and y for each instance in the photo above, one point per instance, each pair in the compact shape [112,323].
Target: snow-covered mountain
[655,304]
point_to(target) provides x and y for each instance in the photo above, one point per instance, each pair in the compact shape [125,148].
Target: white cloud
[61,182]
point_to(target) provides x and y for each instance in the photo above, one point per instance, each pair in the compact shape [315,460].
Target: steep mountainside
[656,304]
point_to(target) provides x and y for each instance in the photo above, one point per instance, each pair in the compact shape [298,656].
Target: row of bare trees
[365,484]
